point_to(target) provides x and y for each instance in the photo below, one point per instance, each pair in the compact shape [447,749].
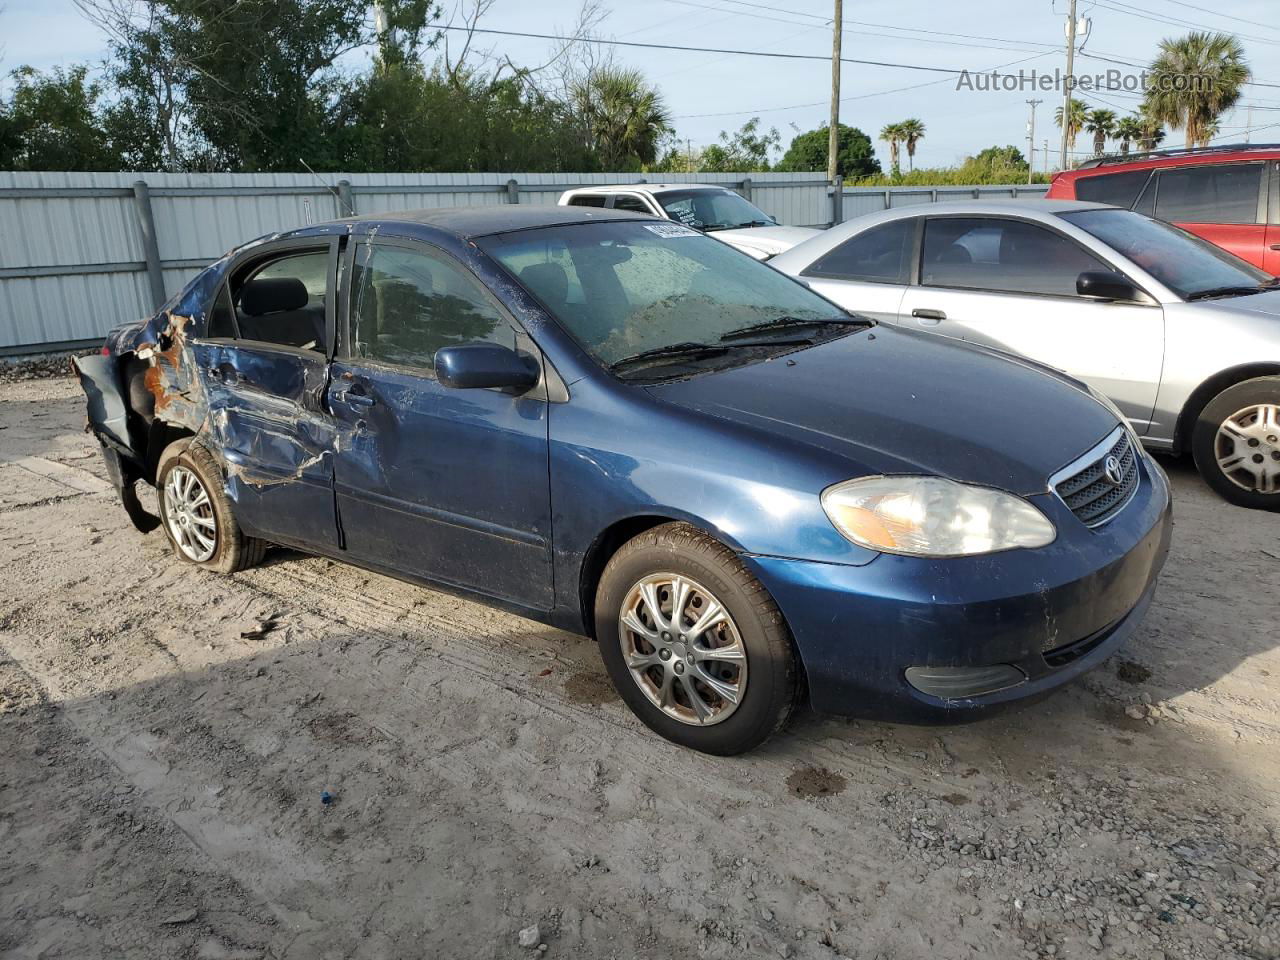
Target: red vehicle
[1230,195]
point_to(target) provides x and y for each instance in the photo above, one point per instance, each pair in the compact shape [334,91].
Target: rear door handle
[928,317]
[353,399]
[1275,246]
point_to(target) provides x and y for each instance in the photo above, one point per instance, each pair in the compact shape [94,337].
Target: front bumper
[1052,613]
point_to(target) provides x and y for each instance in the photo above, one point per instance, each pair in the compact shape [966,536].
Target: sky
[710,92]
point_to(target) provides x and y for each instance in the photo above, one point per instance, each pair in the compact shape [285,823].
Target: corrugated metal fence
[82,252]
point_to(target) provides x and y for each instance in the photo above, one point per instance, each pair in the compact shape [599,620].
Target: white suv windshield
[1190,267]
[712,209]
[628,287]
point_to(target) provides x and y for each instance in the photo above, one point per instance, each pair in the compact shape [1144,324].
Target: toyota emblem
[1114,474]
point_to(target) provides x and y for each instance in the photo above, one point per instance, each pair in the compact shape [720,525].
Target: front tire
[694,643]
[1236,443]
[196,513]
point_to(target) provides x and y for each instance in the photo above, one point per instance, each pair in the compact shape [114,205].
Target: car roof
[468,222]
[1195,156]
[998,207]
[648,187]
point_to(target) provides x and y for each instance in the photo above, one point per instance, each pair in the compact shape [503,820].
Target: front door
[263,363]
[450,485]
[1011,284]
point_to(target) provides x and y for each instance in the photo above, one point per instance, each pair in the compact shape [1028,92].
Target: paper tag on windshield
[670,230]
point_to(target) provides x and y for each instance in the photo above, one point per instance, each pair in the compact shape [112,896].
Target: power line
[1118,7]
[1225,16]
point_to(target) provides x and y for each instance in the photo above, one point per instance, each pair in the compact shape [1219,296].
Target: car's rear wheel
[694,643]
[1236,443]
[196,514]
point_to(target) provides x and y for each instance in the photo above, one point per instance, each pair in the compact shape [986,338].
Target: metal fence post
[745,189]
[888,199]
[150,247]
[346,199]
[513,191]
[837,201]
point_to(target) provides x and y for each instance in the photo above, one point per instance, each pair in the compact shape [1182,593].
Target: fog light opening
[956,683]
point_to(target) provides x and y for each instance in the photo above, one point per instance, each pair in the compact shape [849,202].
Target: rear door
[1010,284]
[450,485]
[264,364]
[1226,203]
[869,272]
[1271,256]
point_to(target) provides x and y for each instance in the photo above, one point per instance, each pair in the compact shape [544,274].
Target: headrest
[548,281]
[956,254]
[274,295]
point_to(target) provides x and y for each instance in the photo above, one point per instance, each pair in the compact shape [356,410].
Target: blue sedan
[620,427]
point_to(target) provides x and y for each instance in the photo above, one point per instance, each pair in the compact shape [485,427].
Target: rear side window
[281,302]
[1010,256]
[1224,193]
[1118,189]
[881,255]
[409,303]
[634,204]
[586,200]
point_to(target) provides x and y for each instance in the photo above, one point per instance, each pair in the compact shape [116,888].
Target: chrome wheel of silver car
[683,649]
[189,515]
[1247,448]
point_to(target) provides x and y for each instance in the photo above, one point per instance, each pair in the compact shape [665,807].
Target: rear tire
[196,513]
[1236,443]
[718,685]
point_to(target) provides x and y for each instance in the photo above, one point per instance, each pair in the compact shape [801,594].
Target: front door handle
[1275,246]
[929,318]
[353,399]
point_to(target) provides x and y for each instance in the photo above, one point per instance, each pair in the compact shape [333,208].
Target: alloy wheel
[1247,448]
[683,649]
[188,512]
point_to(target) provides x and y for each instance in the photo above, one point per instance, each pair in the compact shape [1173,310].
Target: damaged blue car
[620,427]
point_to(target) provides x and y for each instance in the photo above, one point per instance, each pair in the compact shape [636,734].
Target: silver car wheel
[188,513]
[683,649]
[1247,448]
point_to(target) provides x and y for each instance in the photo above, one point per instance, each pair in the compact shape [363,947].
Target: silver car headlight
[933,517]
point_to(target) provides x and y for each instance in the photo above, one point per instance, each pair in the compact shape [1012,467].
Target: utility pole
[688,155]
[833,137]
[1031,139]
[1066,95]
[1046,156]
[1248,123]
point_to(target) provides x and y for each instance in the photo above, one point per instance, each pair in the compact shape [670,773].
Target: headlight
[933,517]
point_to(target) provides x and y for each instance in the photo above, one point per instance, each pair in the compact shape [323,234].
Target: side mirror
[1106,285]
[472,366]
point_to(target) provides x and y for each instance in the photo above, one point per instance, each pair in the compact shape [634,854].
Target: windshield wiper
[784,323]
[1231,291]
[758,223]
[690,349]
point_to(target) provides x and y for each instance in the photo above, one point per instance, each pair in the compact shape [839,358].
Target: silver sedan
[1183,337]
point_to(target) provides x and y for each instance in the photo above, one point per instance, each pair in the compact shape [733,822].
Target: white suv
[712,209]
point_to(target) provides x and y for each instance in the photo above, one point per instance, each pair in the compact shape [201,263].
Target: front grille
[1091,494]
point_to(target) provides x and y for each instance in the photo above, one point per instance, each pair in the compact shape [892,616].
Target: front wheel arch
[1204,394]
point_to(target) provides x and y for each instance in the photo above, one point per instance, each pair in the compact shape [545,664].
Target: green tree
[53,122]
[892,134]
[1127,130]
[624,118]
[1152,131]
[1101,122]
[1075,120]
[1195,80]
[808,151]
[912,131]
[747,150]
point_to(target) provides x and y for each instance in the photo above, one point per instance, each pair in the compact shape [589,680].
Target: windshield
[1184,263]
[712,209]
[626,287]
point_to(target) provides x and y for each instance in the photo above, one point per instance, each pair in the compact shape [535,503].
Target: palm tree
[1075,120]
[1101,123]
[625,118]
[892,135]
[912,132]
[1194,80]
[1127,130]
[1152,131]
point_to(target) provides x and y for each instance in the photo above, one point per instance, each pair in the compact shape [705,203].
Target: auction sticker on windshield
[671,230]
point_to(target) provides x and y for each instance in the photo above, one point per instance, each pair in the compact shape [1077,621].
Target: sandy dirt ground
[167,738]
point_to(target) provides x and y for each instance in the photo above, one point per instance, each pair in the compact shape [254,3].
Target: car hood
[898,402]
[1267,304]
[767,240]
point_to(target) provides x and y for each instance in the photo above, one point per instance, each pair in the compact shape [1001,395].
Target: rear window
[1223,193]
[1118,189]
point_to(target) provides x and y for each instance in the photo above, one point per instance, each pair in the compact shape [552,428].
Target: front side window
[712,209]
[280,302]
[1184,263]
[1223,193]
[1010,256]
[624,287]
[881,255]
[407,303]
[633,204]
[1117,189]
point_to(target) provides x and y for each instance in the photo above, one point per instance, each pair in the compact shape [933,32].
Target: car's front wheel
[1236,443]
[694,643]
[196,513]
